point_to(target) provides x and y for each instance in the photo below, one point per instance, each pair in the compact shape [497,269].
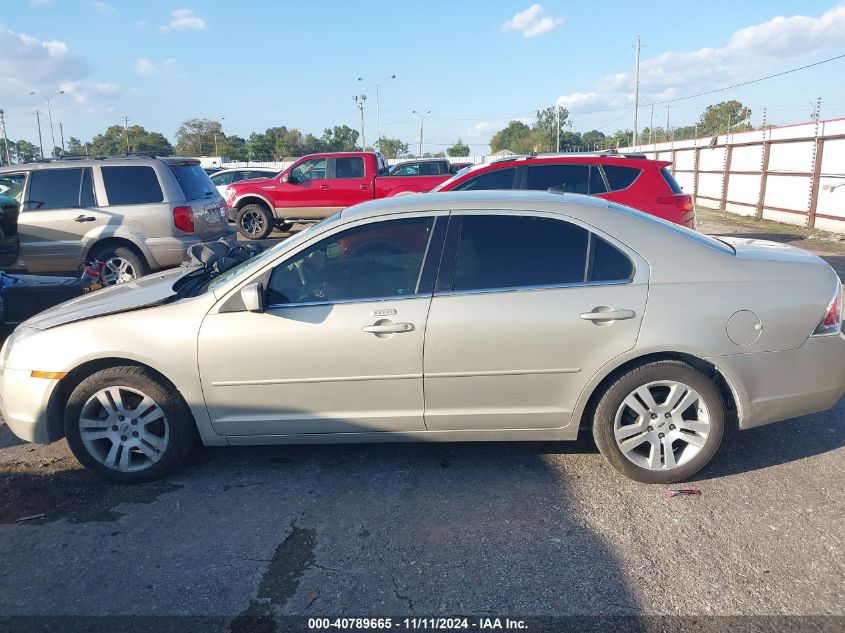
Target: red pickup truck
[313,188]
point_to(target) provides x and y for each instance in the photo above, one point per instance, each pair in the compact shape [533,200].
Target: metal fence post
[814,187]
[726,175]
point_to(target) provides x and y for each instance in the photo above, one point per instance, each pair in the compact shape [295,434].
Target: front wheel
[128,426]
[255,222]
[660,422]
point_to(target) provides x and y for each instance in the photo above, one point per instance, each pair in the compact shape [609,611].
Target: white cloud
[83,92]
[144,66]
[29,64]
[184,20]
[141,24]
[101,7]
[483,129]
[532,22]
[752,51]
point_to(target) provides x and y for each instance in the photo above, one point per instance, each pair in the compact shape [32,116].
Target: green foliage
[196,137]
[392,147]
[235,148]
[340,138]
[458,149]
[112,142]
[516,137]
[718,118]
[24,151]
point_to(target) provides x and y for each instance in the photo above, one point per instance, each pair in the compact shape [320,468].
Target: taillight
[681,200]
[831,322]
[183,218]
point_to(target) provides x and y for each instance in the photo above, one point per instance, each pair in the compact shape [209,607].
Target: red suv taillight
[831,322]
[681,200]
[183,218]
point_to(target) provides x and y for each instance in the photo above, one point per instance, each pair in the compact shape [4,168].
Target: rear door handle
[84,218]
[389,328]
[324,187]
[365,187]
[609,315]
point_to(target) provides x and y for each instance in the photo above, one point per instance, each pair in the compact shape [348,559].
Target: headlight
[228,193]
[15,337]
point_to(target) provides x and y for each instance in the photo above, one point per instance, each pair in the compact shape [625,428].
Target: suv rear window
[195,183]
[568,177]
[619,177]
[132,185]
[670,180]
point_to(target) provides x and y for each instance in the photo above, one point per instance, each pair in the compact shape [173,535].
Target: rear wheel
[255,222]
[122,264]
[660,422]
[128,426]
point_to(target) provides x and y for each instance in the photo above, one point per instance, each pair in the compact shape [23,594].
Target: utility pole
[422,122]
[557,147]
[651,125]
[636,88]
[62,135]
[126,127]
[378,106]
[361,100]
[667,121]
[5,138]
[40,142]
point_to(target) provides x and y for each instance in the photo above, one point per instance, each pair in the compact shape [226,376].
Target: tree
[720,117]
[340,138]
[235,148]
[259,147]
[458,149]
[546,127]
[286,142]
[196,137]
[75,146]
[392,147]
[593,138]
[25,152]
[516,137]
[113,142]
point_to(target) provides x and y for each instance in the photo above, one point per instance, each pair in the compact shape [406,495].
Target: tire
[123,264]
[255,222]
[284,227]
[107,443]
[645,431]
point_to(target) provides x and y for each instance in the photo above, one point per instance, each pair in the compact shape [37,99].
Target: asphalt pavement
[529,529]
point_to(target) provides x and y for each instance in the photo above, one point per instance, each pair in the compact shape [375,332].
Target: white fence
[792,173]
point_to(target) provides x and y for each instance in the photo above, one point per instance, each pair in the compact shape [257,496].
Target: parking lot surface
[437,529]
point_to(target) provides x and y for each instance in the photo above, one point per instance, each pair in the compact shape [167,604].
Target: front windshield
[259,260]
[463,171]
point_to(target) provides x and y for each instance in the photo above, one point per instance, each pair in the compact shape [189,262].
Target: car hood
[145,292]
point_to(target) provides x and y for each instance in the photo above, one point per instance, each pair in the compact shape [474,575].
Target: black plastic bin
[34,293]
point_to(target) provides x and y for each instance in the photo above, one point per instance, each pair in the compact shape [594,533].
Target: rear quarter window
[670,180]
[132,185]
[619,177]
[194,182]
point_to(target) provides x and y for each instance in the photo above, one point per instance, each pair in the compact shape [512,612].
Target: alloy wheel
[662,425]
[124,429]
[118,270]
[252,223]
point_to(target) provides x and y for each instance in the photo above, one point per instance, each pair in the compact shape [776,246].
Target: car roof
[453,200]
[88,161]
[267,169]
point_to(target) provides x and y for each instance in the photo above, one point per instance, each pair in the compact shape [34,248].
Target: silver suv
[136,213]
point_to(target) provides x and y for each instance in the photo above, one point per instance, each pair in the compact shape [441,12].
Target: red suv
[629,179]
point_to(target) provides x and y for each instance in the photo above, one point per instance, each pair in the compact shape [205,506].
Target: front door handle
[608,315]
[388,328]
[324,187]
[84,218]
[365,187]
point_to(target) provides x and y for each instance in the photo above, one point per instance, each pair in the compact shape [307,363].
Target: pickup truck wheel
[255,222]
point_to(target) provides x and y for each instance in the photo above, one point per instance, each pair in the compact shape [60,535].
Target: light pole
[38,120]
[217,153]
[5,138]
[360,100]
[50,114]
[422,123]
[378,106]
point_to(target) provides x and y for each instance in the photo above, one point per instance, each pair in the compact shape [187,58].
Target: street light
[361,100]
[217,153]
[422,122]
[50,114]
[378,106]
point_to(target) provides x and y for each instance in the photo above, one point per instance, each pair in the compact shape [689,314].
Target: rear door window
[55,188]
[503,251]
[134,184]
[194,182]
[566,177]
[670,180]
[349,167]
[495,179]
[619,177]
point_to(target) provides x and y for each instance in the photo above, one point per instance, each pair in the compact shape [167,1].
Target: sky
[473,64]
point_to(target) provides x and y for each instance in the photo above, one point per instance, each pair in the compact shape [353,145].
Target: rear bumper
[773,386]
[24,402]
[172,251]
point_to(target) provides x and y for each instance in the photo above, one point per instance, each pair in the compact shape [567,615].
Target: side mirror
[285,178]
[253,297]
